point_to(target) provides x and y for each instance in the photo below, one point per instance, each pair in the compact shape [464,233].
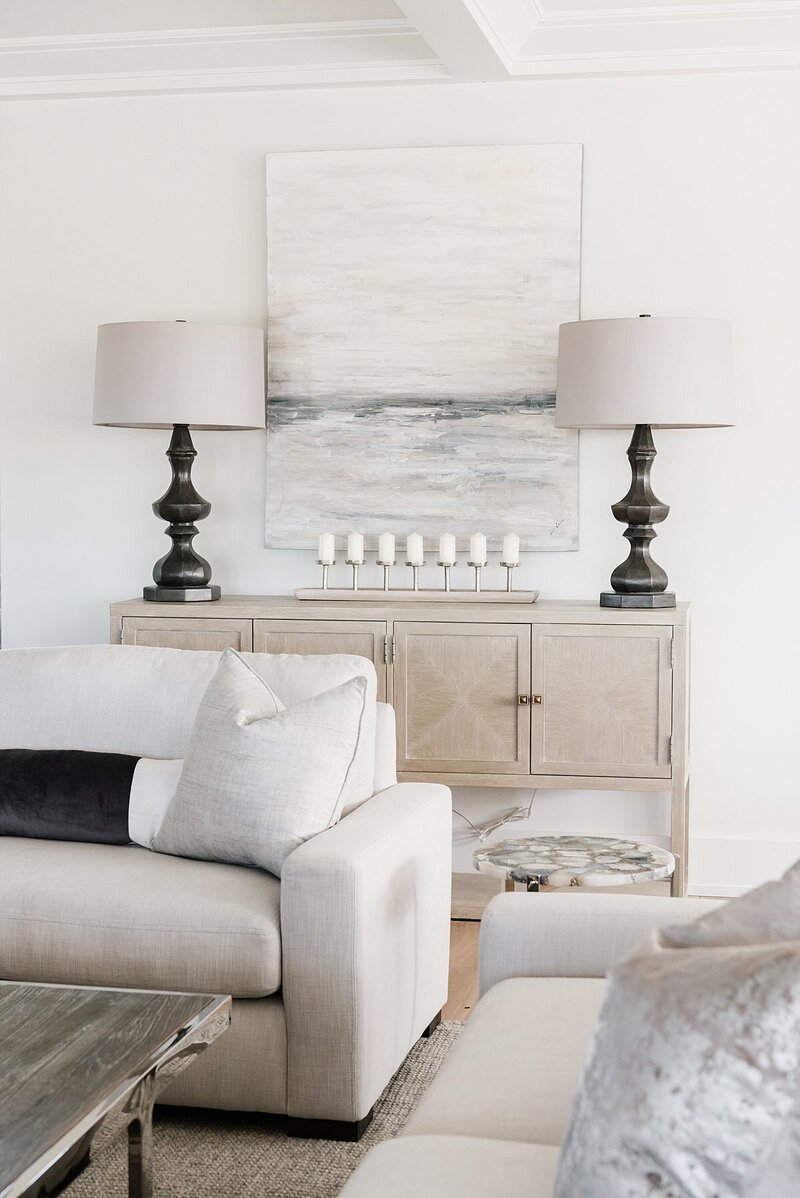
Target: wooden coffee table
[70,1055]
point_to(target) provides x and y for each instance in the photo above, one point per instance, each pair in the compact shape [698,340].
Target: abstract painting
[414,303]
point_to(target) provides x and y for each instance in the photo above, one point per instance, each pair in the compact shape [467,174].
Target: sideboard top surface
[544,611]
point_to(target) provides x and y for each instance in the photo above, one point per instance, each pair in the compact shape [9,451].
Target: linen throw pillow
[259,779]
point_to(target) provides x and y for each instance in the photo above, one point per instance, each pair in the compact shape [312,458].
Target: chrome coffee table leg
[140,1141]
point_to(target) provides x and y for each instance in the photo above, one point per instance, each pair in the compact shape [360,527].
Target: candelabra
[415,560]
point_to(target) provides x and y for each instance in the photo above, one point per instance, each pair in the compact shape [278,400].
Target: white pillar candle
[510,549]
[386,549]
[447,549]
[327,549]
[355,547]
[414,551]
[477,549]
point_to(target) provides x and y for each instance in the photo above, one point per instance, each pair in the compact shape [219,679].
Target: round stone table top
[574,861]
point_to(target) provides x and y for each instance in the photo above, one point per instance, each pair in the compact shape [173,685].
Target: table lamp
[176,374]
[645,372]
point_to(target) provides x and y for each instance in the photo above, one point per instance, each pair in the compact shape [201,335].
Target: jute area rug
[199,1154]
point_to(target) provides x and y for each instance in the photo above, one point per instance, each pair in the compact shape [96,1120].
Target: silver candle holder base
[386,568]
[415,569]
[355,564]
[477,567]
[510,568]
[446,566]
[325,567]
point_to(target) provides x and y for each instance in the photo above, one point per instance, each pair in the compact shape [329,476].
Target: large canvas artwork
[414,304]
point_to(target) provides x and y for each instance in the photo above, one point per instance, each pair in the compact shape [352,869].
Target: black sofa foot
[329,1129]
[432,1026]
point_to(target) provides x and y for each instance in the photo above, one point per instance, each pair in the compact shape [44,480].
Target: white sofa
[494,1117]
[335,970]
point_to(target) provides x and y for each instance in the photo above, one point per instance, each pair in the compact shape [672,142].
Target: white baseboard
[725,868]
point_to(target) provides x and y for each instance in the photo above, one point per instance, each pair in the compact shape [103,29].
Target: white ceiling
[128,47]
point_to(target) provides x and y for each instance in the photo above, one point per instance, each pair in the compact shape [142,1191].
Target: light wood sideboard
[562,695]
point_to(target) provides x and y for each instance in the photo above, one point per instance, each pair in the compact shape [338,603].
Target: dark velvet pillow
[64,794]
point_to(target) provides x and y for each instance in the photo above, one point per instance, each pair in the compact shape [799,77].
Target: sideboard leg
[679,836]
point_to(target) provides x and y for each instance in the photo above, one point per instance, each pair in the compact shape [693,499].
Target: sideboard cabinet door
[179,632]
[457,690]
[602,700]
[365,638]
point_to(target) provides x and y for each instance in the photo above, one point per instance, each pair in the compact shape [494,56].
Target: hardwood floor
[463,991]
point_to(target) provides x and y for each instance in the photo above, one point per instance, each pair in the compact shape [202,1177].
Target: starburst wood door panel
[606,701]
[365,638]
[457,691]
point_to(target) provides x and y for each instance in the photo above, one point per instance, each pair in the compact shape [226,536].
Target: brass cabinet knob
[536,698]
[522,700]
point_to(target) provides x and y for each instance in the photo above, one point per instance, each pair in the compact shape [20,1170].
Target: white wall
[153,208]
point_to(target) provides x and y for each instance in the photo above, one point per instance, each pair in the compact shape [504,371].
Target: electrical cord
[483,831]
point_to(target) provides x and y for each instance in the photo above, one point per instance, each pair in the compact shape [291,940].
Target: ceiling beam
[475,39]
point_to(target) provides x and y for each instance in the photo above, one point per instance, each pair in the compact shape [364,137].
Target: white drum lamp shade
[644,372]
[178,375]
[668,372]
[155,374]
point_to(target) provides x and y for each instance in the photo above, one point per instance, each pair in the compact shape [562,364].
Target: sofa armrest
[365,923]
[571,935]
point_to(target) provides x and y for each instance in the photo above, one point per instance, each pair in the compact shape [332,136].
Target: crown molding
[751,10]
[159,83]
[226,35]
[432,41]
[643,62]
[311,54]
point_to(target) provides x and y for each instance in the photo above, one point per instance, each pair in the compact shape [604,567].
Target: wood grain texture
[544,611]
[471,893]
[456,693]
[462,993]
[364,638]
[71,1054]
[168,632]
[607,701]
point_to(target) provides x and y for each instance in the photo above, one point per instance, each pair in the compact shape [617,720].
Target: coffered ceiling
[128,47]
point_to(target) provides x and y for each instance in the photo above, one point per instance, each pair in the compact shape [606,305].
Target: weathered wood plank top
[249,607]
[69,1055]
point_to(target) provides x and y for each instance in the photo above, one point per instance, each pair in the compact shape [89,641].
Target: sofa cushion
[141,700]
[119,915]
[454,1167]
[514,1070]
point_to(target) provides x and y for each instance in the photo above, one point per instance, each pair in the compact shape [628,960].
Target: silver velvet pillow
[766,915]
[691,1081]
[258,779]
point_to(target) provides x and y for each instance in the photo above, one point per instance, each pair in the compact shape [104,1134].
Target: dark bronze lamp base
[654,599]
[181,594]
[639,581]
[182,575]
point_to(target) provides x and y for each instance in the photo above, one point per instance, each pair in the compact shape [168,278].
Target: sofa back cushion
[143,701]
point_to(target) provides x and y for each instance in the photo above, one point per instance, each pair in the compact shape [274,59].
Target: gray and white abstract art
[414,304]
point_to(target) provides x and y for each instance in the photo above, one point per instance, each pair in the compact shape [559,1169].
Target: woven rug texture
[202,1154]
